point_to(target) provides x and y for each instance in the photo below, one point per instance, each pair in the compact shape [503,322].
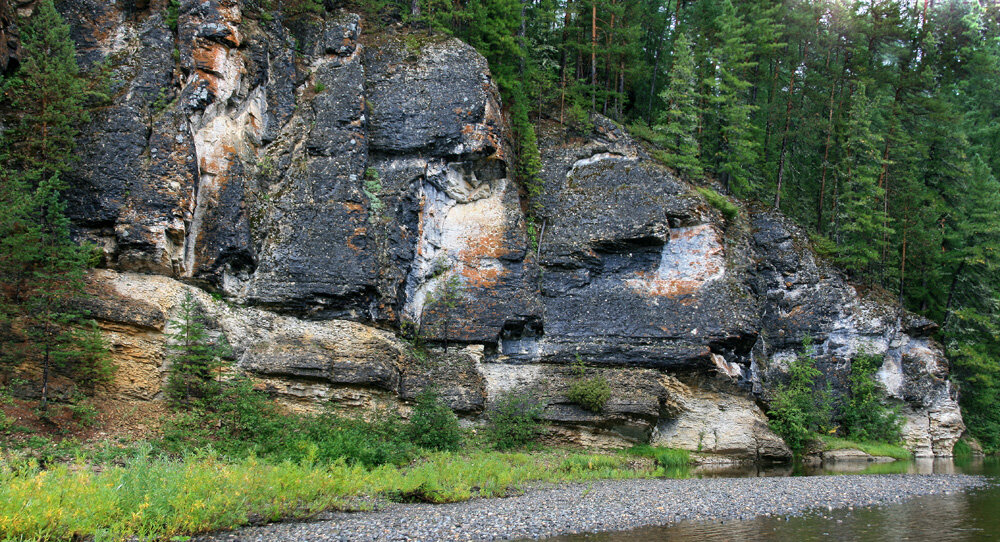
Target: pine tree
[41,268]
[679,121]
[46,96]
[196,360]
[51,284]
[861,221]
[89,358]
[738,146]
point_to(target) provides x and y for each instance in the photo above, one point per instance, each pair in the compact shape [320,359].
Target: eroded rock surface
[339,191]
[806,298]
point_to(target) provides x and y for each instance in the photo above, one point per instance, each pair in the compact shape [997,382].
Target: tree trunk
[826,159]
[788,117]
[593,57]
[951,293]
[652,85]
[902,260]
[415,9]
[563,58]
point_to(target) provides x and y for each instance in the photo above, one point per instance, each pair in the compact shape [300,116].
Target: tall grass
[666,457]
[159,497]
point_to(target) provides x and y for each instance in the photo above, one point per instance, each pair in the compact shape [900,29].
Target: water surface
[963,516]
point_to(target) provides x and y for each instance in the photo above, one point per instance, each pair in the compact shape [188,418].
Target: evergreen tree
[56,282]
[738,146]
[41,268]
[861,220]
[46,97]
[679,121]
[196,360]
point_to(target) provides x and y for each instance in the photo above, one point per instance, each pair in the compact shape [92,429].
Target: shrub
[84,413]
[720,202]
[247,422]
[514,421]
[590,393]
[433,425]
[865,417]
[823,245]
[800,408]
[171,16]
[962,450]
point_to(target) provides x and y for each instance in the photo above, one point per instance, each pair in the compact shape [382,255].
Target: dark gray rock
[426,94]
[9,38]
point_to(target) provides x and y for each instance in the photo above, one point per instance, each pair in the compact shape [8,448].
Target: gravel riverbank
[607,506]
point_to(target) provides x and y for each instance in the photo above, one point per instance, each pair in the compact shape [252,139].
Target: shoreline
[609,505]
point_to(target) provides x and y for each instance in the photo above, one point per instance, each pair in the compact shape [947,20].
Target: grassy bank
[244,460]
[880,449]
[163,497]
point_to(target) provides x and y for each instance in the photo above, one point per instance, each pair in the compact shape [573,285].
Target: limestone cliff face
[338,190]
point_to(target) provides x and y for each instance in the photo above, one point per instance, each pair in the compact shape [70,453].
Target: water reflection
[963,516]
[916,466]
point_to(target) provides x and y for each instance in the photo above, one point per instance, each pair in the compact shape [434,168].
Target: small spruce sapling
[196,359]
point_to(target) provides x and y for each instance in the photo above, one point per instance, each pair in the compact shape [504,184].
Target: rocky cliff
[325,192]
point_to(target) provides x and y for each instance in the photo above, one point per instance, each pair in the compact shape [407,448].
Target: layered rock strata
[338,191]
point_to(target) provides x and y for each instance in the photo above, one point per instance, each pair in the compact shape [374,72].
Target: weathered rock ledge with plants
[342,206]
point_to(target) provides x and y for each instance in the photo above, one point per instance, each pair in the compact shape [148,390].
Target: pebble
[611,505]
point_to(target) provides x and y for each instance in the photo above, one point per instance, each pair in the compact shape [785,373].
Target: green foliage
[976,367]
[84,413]
[243,422]
[587,463]
[144,495]
[800,407]
[295,8]
[738,144]
[679,121]
[641,131]
[823,246]
[863,223]
[443,301]
[89,357]
[720,202]
[579,119]
[196,360]
[668,458]
[41,268]
[865,416]
[373,189]
[514,421]
[962,450]
[171,14]
[590,393]
[433,425]
[163,101]
[266,165]
[878,449]
[47,96]
[318,87]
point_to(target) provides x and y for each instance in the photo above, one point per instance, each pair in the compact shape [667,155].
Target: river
[960,516]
